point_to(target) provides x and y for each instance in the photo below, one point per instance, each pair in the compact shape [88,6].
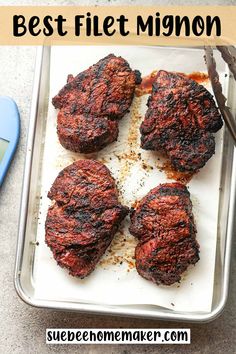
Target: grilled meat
[85,133]
[180,120]
[91,103]
[164,224]
[86,214]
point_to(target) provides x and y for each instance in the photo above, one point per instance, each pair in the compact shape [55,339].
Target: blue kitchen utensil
[9,133]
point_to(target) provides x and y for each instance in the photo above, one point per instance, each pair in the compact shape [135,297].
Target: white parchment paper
[115,280]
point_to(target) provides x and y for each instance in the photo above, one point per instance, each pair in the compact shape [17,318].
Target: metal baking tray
[23,277]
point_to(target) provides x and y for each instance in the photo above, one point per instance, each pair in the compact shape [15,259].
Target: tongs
[229,56]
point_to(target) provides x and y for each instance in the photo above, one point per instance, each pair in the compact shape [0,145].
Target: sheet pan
[25,279]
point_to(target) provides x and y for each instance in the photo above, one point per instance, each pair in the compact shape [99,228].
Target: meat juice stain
[135,204]
[198,77]
[146,85]
[171,173]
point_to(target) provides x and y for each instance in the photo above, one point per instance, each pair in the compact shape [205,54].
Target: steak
[164,225]
[85,216]
[180,120]
[92,103]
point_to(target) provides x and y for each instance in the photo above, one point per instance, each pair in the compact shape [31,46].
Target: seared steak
[86,214]
[164,224]
[91,103]
[180,120]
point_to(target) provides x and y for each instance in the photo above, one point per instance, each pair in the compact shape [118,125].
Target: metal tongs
[229,56]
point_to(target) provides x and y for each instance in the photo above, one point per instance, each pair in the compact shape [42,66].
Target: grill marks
[92,103]
[180,120]
[86,214]
[164,224]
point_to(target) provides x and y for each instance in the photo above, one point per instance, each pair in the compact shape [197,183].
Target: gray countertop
[22,328]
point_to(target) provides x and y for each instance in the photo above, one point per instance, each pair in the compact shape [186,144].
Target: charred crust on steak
[92,102]
[85,216]
[180,120]
[164,225]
